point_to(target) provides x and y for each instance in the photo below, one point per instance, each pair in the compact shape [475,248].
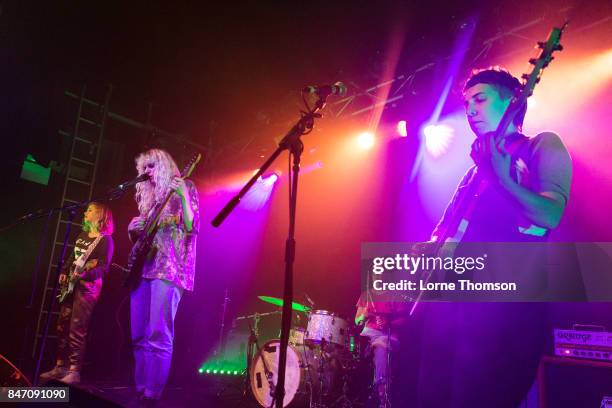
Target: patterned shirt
[173,254]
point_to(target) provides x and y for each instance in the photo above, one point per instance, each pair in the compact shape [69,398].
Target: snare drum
[326,326]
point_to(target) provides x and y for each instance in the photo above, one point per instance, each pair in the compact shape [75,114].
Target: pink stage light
[270,180]
[402,130]
[366,140]
[260,193]
[438,138]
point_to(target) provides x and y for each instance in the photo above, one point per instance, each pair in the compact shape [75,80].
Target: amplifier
[593,345]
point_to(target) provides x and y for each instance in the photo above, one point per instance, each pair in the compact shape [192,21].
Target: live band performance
[314,204]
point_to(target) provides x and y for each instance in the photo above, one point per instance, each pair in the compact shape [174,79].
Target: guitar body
[144,243]
[137,258]
[67,287]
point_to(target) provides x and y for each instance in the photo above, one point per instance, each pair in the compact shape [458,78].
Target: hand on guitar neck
[491,157]
[135,227]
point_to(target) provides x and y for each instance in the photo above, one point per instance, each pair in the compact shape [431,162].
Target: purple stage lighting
[260,193]
[438,138]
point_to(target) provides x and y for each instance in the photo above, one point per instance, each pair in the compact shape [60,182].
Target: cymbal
[279,302]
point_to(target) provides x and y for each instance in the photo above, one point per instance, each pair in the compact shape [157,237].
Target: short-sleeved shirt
[173,254]
[540,164]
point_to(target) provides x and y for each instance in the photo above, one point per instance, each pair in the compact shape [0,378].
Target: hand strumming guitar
[92,263]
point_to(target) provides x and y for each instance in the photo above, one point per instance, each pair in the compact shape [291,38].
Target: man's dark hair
[506,85]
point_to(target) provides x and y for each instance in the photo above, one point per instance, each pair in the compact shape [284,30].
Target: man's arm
[543,209]
[551,169]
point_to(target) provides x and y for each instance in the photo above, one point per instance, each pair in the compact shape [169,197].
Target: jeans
[153,308]
[381,344]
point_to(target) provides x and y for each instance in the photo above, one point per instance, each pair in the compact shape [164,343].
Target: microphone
[323,91]
[139,179]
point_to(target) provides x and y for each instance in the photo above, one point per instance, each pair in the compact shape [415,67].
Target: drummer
[381,319]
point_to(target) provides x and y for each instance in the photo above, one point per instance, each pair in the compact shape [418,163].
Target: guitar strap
[88,253]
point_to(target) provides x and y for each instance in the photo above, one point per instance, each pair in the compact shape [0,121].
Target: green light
[34,172]
[200,370]
[214,371]
[208,371]
[235,372]
[222,372]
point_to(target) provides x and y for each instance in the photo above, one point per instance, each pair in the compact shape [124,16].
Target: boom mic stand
[294,145]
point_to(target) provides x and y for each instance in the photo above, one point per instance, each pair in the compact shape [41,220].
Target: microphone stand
[294,145]
[71,209]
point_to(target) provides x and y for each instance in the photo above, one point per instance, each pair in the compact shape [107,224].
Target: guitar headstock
[551,45]
[190,166]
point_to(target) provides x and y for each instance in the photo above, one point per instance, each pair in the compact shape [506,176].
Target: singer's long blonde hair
[147,195]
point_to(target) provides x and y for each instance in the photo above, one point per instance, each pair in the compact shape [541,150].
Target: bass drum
[294,373]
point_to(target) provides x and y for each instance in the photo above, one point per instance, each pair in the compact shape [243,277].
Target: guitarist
[486,354]
[168,270]
[76,309]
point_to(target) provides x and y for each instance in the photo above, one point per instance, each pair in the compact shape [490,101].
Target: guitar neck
[156,216]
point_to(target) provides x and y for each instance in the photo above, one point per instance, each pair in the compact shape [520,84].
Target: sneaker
[71,377]
[54,374]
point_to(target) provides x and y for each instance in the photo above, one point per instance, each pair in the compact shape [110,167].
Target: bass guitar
[467,199]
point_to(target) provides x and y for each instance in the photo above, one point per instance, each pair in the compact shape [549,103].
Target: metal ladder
[80,175]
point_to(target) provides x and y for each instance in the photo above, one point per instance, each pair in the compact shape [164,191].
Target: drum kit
[323,360]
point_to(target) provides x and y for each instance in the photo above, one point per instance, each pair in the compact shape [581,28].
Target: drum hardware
[221,347]
[253,341]
[268,374]
[312,303]
[323,370]
[256,318]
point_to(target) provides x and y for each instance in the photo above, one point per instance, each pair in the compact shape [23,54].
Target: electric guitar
[467,199]
[144,243]
[79,265]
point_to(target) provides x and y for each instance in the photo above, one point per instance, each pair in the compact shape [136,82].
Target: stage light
[401,128]
[531,104]
[200,370]
[260,193]
[270,180]
[366,140]
[437,138]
